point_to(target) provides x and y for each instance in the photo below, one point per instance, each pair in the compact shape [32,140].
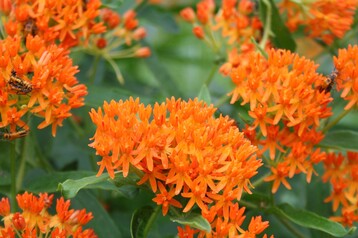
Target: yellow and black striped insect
[13,135]
[328,82]
[18,85]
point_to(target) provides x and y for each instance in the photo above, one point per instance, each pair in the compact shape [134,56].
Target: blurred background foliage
[179,66]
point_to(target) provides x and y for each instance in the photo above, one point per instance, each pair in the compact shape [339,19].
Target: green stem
[212,74]
[13,177]
[93,72]
[336,120]
[21,171]
[221,101]
[75,125]
[267,30]
[151,221]
[260,181]
[290,227]
[248,204]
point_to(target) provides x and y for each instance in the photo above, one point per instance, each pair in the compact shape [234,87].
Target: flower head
[179,147]
[36,221]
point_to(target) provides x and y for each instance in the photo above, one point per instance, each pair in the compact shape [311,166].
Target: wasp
[30,27]
[328,82]
[14,135]
[18,85]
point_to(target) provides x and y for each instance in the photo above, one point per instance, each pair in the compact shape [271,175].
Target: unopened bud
[143,52]
[199,32]
[188,14]
[101,43]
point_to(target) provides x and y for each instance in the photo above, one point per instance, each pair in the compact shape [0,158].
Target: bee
[30,27]
[18,85]
[14,135]
[328,82]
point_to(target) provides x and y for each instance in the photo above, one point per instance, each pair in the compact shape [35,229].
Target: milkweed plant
[178,118]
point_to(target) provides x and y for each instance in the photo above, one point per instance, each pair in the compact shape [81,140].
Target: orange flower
[280,173]
[346,64]
[37,79]
[35,220]
[70,22]
[204,160]
[326,20]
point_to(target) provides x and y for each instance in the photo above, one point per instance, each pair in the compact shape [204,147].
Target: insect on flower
[14,135]
[30,27]
[328,82]
[18,85]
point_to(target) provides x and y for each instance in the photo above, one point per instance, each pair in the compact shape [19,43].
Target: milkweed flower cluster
[183,152]
[66,23]
[237,23]
[341,171]
[36,221]
[322,19]
[346,64]
[37,79]
[286,107]
[123,35]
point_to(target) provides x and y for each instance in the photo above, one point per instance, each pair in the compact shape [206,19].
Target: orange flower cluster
[323,19]
[36,79]
[286,106]
[36,221]
[180,149]
[236,21]
[67,23]
[124,30]
[342,173]
[346,64]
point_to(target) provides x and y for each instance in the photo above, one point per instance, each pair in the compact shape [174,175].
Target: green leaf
[341,140]
[193,220]
[282,37]
[311,220]
[102,223]
[49,182]
[204,94]
[141,222]
[4,178]
[70,187]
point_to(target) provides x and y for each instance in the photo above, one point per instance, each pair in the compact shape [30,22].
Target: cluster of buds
[36,221]
[237,23]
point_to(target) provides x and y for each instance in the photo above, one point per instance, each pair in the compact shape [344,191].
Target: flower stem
[93,71]
[267,30]
[212,74]
[290,227]
[22,166]
[221,101]
[335,121]
[13,177]
[260,181]
[151,221]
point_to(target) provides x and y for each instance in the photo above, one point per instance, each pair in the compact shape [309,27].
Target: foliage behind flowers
[231,102]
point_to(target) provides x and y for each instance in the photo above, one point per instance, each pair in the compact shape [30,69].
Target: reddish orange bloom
[35,221]
[40,80]
[346,64]
[322,19]
[279,175]
[182,149]
[341,172]
[70,22]
[286,105]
